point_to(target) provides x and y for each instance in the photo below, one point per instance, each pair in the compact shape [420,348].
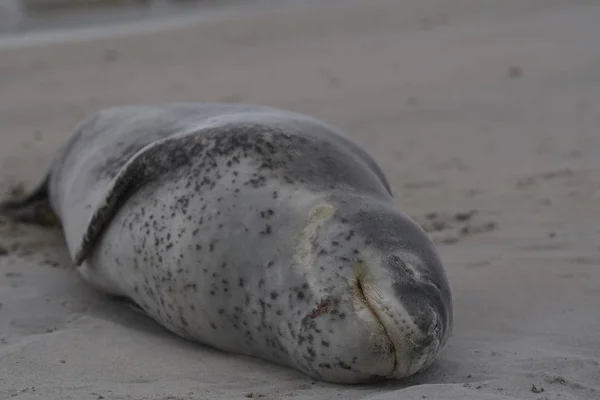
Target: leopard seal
[253,230]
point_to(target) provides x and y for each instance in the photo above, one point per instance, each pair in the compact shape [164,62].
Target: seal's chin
[415,347]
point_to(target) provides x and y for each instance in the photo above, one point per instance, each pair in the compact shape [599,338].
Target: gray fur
[256,231]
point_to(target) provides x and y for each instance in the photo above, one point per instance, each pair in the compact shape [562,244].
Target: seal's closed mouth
[360,286]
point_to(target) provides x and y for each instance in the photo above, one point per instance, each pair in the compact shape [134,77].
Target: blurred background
[17,16]
[484,115]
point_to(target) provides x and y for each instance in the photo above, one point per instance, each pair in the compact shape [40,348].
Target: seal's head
[381,303]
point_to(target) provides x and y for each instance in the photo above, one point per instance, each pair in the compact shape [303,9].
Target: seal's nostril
[425,303]
[429,326]
[425,321]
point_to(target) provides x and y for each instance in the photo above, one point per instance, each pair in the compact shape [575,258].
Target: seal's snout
[412,314]
[424,302]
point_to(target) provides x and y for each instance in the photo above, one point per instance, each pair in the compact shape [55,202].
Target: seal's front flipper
[33,209]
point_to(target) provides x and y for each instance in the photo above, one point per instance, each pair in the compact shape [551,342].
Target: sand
[484,115]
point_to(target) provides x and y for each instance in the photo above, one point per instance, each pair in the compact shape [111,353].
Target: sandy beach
[484,115]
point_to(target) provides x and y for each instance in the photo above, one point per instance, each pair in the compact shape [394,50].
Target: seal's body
[254,230]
